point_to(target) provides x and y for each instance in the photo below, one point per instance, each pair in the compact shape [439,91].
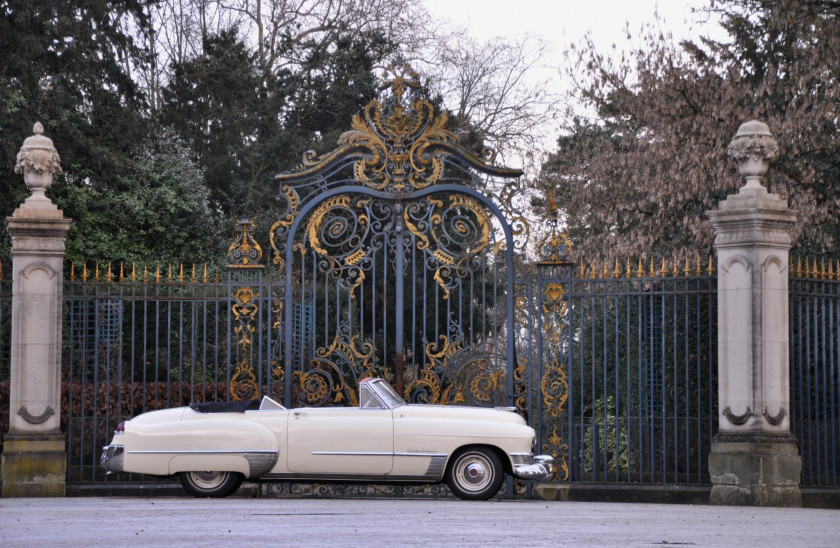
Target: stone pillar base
[755,470]
[34,465]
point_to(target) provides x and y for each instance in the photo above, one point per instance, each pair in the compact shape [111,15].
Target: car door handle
[299,414]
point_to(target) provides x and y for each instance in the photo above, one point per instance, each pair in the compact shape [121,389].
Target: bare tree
[639,178]
[500,89]
[278,30]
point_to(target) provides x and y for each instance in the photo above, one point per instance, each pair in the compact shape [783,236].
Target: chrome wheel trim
[207,480]
[474,472]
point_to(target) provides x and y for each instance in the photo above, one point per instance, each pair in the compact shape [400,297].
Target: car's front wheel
[210,484]
[475,474]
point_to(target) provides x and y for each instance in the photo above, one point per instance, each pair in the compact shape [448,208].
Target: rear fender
[221,444]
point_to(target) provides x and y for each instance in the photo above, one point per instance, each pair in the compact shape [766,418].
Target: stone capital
[38,226]
[747,221]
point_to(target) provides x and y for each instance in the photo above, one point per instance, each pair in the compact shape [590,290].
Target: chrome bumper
[112,458]
[531,467]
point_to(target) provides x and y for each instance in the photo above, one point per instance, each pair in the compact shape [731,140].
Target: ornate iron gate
[396,263]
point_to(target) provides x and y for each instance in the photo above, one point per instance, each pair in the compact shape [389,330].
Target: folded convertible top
[226,406]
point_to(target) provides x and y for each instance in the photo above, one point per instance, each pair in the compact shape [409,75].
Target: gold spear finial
[552,205]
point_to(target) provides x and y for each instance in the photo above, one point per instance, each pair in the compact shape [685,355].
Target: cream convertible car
[212,447]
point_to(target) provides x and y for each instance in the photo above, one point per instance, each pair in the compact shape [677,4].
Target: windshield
[388,394]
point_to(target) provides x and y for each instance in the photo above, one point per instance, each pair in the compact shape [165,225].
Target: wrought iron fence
[135,343]
[5,350]
[628,394]
[815,370]
[640,359]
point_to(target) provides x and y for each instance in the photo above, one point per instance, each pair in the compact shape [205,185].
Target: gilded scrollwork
[244,255]
[398,142]
[554,385]
[243,383]
[334,373]
[555,447]
[555,247]
[244,251]
[453,233]
[455,373]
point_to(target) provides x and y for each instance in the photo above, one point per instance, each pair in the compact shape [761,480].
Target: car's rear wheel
[210,484]
[475,474]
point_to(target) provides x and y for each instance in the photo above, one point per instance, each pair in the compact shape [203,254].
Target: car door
[340,440]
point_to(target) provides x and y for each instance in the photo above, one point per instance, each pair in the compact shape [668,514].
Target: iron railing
[641,362]
[640,357]
[131,347]
[5,351]
[815,376]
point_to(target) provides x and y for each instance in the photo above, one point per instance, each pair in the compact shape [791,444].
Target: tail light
[120,428]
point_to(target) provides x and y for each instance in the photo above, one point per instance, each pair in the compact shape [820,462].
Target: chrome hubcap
[207,480]
[475,473]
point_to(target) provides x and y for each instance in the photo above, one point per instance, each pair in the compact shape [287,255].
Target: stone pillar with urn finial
[33,459]
[755,459]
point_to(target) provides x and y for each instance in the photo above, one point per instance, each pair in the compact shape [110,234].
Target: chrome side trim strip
[379,454]
[201,452]
[355,453]
[346,478]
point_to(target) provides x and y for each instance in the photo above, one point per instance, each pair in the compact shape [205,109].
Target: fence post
[34,463]
[754,459]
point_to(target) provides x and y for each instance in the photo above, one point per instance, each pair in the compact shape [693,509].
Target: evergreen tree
[67,65]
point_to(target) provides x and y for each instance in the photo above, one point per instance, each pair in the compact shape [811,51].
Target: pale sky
[562,21]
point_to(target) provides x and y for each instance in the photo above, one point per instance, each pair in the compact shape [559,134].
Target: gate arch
[395,262]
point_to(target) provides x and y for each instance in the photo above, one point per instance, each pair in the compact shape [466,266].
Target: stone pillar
[33,461]
[755,459]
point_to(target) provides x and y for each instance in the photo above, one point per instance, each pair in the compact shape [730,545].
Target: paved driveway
[314,522]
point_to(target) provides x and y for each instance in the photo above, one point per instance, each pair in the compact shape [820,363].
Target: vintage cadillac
[212,447]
